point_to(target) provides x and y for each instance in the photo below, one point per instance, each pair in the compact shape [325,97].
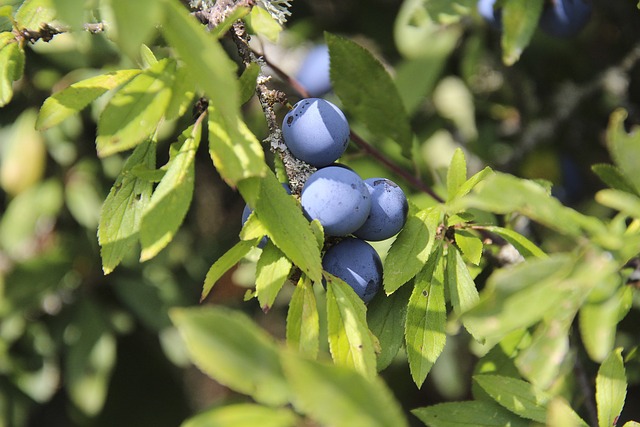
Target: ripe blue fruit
[338,198]
[313,74]
[358,264]
[316,131]
[489,13]
[247,211]
[388,213]
[565,18]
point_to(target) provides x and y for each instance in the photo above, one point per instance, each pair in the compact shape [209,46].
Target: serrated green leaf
[252,228]
[318,232]
[243,415]
[425,334]
[386,318]
[248,81]
[516,395]
[411,249]
[613,177]
[147,56]
[33,13]
[349,338]
[224,264]
[171,199]
[286,226]
[262,23]
[526,248]
[122,210]
[79,95]
[303,327]
[206,60]
[629,204]
[456,174]
[134,112]
[235,151]
[368,92]
[462,288]
[470,245]
[624,148]
[339,396]
[611,389]
[11,68]
[519,22]
[229,347]
[469,184]
[472,413]
[272,271]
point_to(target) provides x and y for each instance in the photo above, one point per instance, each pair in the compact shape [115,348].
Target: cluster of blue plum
[349,208]
[560,18]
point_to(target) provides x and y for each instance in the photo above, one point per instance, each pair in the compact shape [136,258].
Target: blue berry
[388,213]
[313,74]
[247,211]
[565,18]
[316,131]
[338,198]
[358,264]
[490,14]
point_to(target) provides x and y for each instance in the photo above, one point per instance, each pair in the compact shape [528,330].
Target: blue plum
[358,264]
[338,198]
[313,73]
[316,131]
[490,14]
[565,18]
[388,213]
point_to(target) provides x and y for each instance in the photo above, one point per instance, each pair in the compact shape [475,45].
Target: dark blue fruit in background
[313,74]
[489,13]
[358,264]
[388,213]
[316,131]
[338,198]
[565,18]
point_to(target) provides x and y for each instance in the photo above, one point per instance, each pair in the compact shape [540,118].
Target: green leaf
[516,395]
[631,423]
[33,13]
[368,92]
[303,327]
[261,23]
[611,389]
[122,210]
[469,184]
[629,204]
[224,264]
[286,226]
[519,22]
[472,413]
[526,248]
[505,304]
[560,414]
[243,415]
[339,396]
[79,95]
[171,199]
[350,341]
[462,288]
[134,112]
[235,151]
[182,94]
[386,318]
[237,13]
[449,12]
[456,174]
[613,177]
[426,318]
[229,347]
[70,12]
[411,248]
[624,148]
[272,271]
[248,81]
[12,58]
[130,32]
[206,60]
[470,245]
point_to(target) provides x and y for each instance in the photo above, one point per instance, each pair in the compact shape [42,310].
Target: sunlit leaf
[225,263]
[624,148]
[476,413]
[611,389]
[303,321]
[243,415]
[516,395]
[519,21]
[272,271]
